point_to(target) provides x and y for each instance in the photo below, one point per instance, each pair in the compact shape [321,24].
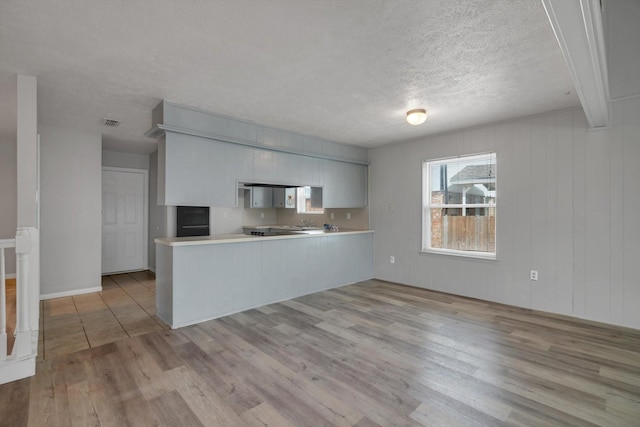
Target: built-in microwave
[192,221]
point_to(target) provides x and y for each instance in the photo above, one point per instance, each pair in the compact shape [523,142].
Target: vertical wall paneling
[631,179]
[521,219]
[568,207]
[564,210]
[506,204]
[616,217]
[579,212]
[538,211]
[597,225]
[550,179]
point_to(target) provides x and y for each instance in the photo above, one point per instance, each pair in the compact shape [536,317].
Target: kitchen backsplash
[253,216]
[231,220]
[359,217]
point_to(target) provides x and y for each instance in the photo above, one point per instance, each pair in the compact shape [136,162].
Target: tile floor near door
[126,307]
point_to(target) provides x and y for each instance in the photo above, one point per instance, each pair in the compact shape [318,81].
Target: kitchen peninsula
[202,278]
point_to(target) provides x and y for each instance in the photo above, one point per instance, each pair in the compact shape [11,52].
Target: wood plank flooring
[369,354]
[10,299]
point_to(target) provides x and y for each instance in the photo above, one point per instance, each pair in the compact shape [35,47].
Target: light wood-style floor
[10,299]
[368,354]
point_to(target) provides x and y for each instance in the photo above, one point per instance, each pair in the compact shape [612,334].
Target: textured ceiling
[346,71]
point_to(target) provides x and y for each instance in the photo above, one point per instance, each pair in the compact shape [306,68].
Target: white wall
[9,197]
[71,210]
[622,37]
[120,159]
[27,151]
[157,214]
[568,206]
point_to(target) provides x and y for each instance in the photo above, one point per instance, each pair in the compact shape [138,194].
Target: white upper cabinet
[197,172]
[202,172]
[345,185]
[204,156]
[259,197]
[279,198]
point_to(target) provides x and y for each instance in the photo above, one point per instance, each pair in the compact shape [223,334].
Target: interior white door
[122,221]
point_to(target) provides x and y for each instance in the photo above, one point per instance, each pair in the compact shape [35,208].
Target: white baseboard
[10,276]
[70,293]
[13,370]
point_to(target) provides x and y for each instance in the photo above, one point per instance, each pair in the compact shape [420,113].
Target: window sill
[461,254]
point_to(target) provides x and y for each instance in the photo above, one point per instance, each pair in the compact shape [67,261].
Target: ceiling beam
[577,25]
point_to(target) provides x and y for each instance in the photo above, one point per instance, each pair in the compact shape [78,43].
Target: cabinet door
[196,172]
[345,185]
[355,192]
[279,198]
[263,165]
[260,197]
[186,171]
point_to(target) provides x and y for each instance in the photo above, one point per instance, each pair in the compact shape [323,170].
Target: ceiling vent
[111,123]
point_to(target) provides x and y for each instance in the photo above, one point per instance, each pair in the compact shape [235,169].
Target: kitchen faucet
[307,223]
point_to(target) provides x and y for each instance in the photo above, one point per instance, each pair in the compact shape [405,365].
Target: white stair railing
[20,363]
[4,244]
[22,345]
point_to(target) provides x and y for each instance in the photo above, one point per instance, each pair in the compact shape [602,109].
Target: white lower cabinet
[198,282]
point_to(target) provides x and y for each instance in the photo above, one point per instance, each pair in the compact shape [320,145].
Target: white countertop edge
[241,238]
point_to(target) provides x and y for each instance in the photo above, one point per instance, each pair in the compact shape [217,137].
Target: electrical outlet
[348,215]
[261,214]
[533,275]
[333,215]
[392,259]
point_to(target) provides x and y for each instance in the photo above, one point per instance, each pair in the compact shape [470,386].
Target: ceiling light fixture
[417,116]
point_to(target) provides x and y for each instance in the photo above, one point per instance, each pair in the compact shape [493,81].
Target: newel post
[23,328]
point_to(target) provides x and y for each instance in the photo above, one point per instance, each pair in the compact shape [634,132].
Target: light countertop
[239,238]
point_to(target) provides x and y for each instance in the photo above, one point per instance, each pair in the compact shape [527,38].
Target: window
[309,200]
[459,206]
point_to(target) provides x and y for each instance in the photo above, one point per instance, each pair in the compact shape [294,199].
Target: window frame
[427,166]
